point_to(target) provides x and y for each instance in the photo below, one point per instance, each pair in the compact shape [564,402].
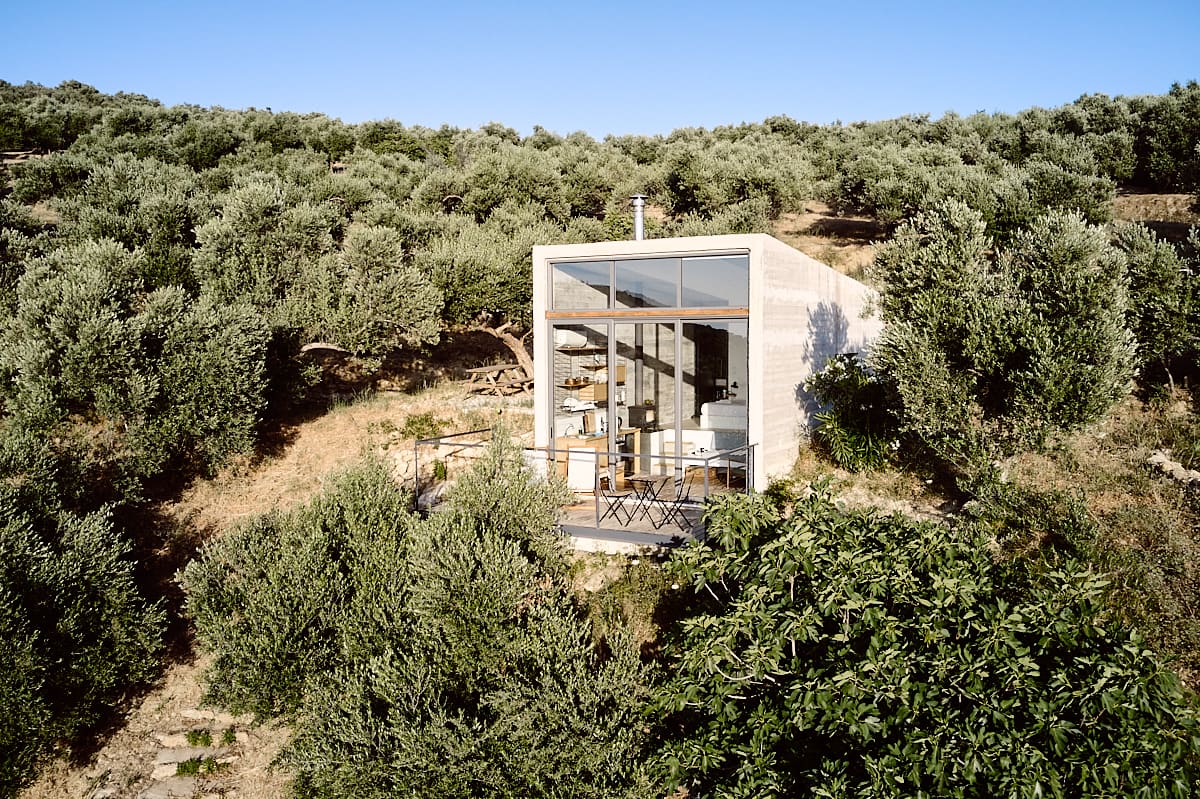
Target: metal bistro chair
[672,509]
[612,500]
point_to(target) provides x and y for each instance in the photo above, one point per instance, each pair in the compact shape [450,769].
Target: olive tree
[366,297]
[484,273]
[255,249]
[994,352]
[1164,295]
[131,380]
[440,657]
[75,632]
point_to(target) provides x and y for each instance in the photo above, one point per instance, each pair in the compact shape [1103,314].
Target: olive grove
[161,269]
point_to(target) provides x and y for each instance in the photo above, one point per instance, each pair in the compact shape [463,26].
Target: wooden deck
[648,527]
[652,517]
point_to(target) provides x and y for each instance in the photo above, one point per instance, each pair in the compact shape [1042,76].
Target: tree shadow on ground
[849,230]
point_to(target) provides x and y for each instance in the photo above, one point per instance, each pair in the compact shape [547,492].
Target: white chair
[581,469]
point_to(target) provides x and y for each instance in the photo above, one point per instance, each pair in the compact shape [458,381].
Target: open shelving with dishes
[585,385]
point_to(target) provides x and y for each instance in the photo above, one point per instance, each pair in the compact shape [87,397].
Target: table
[498,379]
[646,489]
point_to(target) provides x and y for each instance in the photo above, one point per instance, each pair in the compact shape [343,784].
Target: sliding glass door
[645,355]
[652,392]
[714,384]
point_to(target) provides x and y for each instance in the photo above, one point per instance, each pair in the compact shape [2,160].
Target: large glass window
[717,281]
[721,281]
[672,390]
[581,286]
[715,375]
[645,358]
[583,392]
[647,283]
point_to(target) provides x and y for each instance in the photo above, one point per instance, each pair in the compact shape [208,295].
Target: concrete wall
[801,313]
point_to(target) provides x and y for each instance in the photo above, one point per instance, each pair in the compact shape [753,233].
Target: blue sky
[613,67]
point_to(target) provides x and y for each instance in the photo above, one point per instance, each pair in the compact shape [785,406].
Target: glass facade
[647,283]
[720,281]
[582,286]
[650,391]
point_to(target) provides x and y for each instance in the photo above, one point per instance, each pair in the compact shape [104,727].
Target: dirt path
[141,759]
[168,725]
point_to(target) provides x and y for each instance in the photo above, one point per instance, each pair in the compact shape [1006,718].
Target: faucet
[569,431]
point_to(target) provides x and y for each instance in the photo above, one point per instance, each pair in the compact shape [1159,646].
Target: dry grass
[1109,456]
[1136,206]
[1169,215]
[892,491]
[330,443]
[846,243]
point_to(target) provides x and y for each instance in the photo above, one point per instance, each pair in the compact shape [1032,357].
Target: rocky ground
[170,745]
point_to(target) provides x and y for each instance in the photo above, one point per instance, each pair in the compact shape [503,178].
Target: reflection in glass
[721,281]
[580,378]
[715,362]
[647,283]
[645,357]
[582,285]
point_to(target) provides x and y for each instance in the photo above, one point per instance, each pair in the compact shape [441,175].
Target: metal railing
[583,468]
[439,442]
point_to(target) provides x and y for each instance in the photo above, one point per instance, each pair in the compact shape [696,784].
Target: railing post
[416,474]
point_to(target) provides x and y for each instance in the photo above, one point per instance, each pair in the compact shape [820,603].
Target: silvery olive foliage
[994,350]
[441,656]
[163,265]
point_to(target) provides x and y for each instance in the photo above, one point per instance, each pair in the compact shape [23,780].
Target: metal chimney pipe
[639,220]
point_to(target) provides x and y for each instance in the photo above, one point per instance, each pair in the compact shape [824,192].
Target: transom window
[710,281]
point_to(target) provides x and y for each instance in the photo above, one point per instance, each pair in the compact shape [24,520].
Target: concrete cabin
[672,356]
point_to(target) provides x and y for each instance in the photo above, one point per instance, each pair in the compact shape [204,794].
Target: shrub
[1164,293]
[365,297]
[838,653]
[1143,546]
[267,599]
[501,495]
[422,425]
[992,357]
[75,634]
[486,684]
[26,729]
[859,429]
[136,382]
[199,738]
[443,657]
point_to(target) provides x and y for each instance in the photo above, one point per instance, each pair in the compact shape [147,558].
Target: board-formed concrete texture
[801,312]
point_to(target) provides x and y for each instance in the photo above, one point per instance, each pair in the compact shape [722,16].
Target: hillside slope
[1110,459]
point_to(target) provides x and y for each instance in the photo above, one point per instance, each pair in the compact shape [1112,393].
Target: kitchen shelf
[582,350]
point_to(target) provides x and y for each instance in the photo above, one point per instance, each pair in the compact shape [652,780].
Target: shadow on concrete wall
[828,335]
